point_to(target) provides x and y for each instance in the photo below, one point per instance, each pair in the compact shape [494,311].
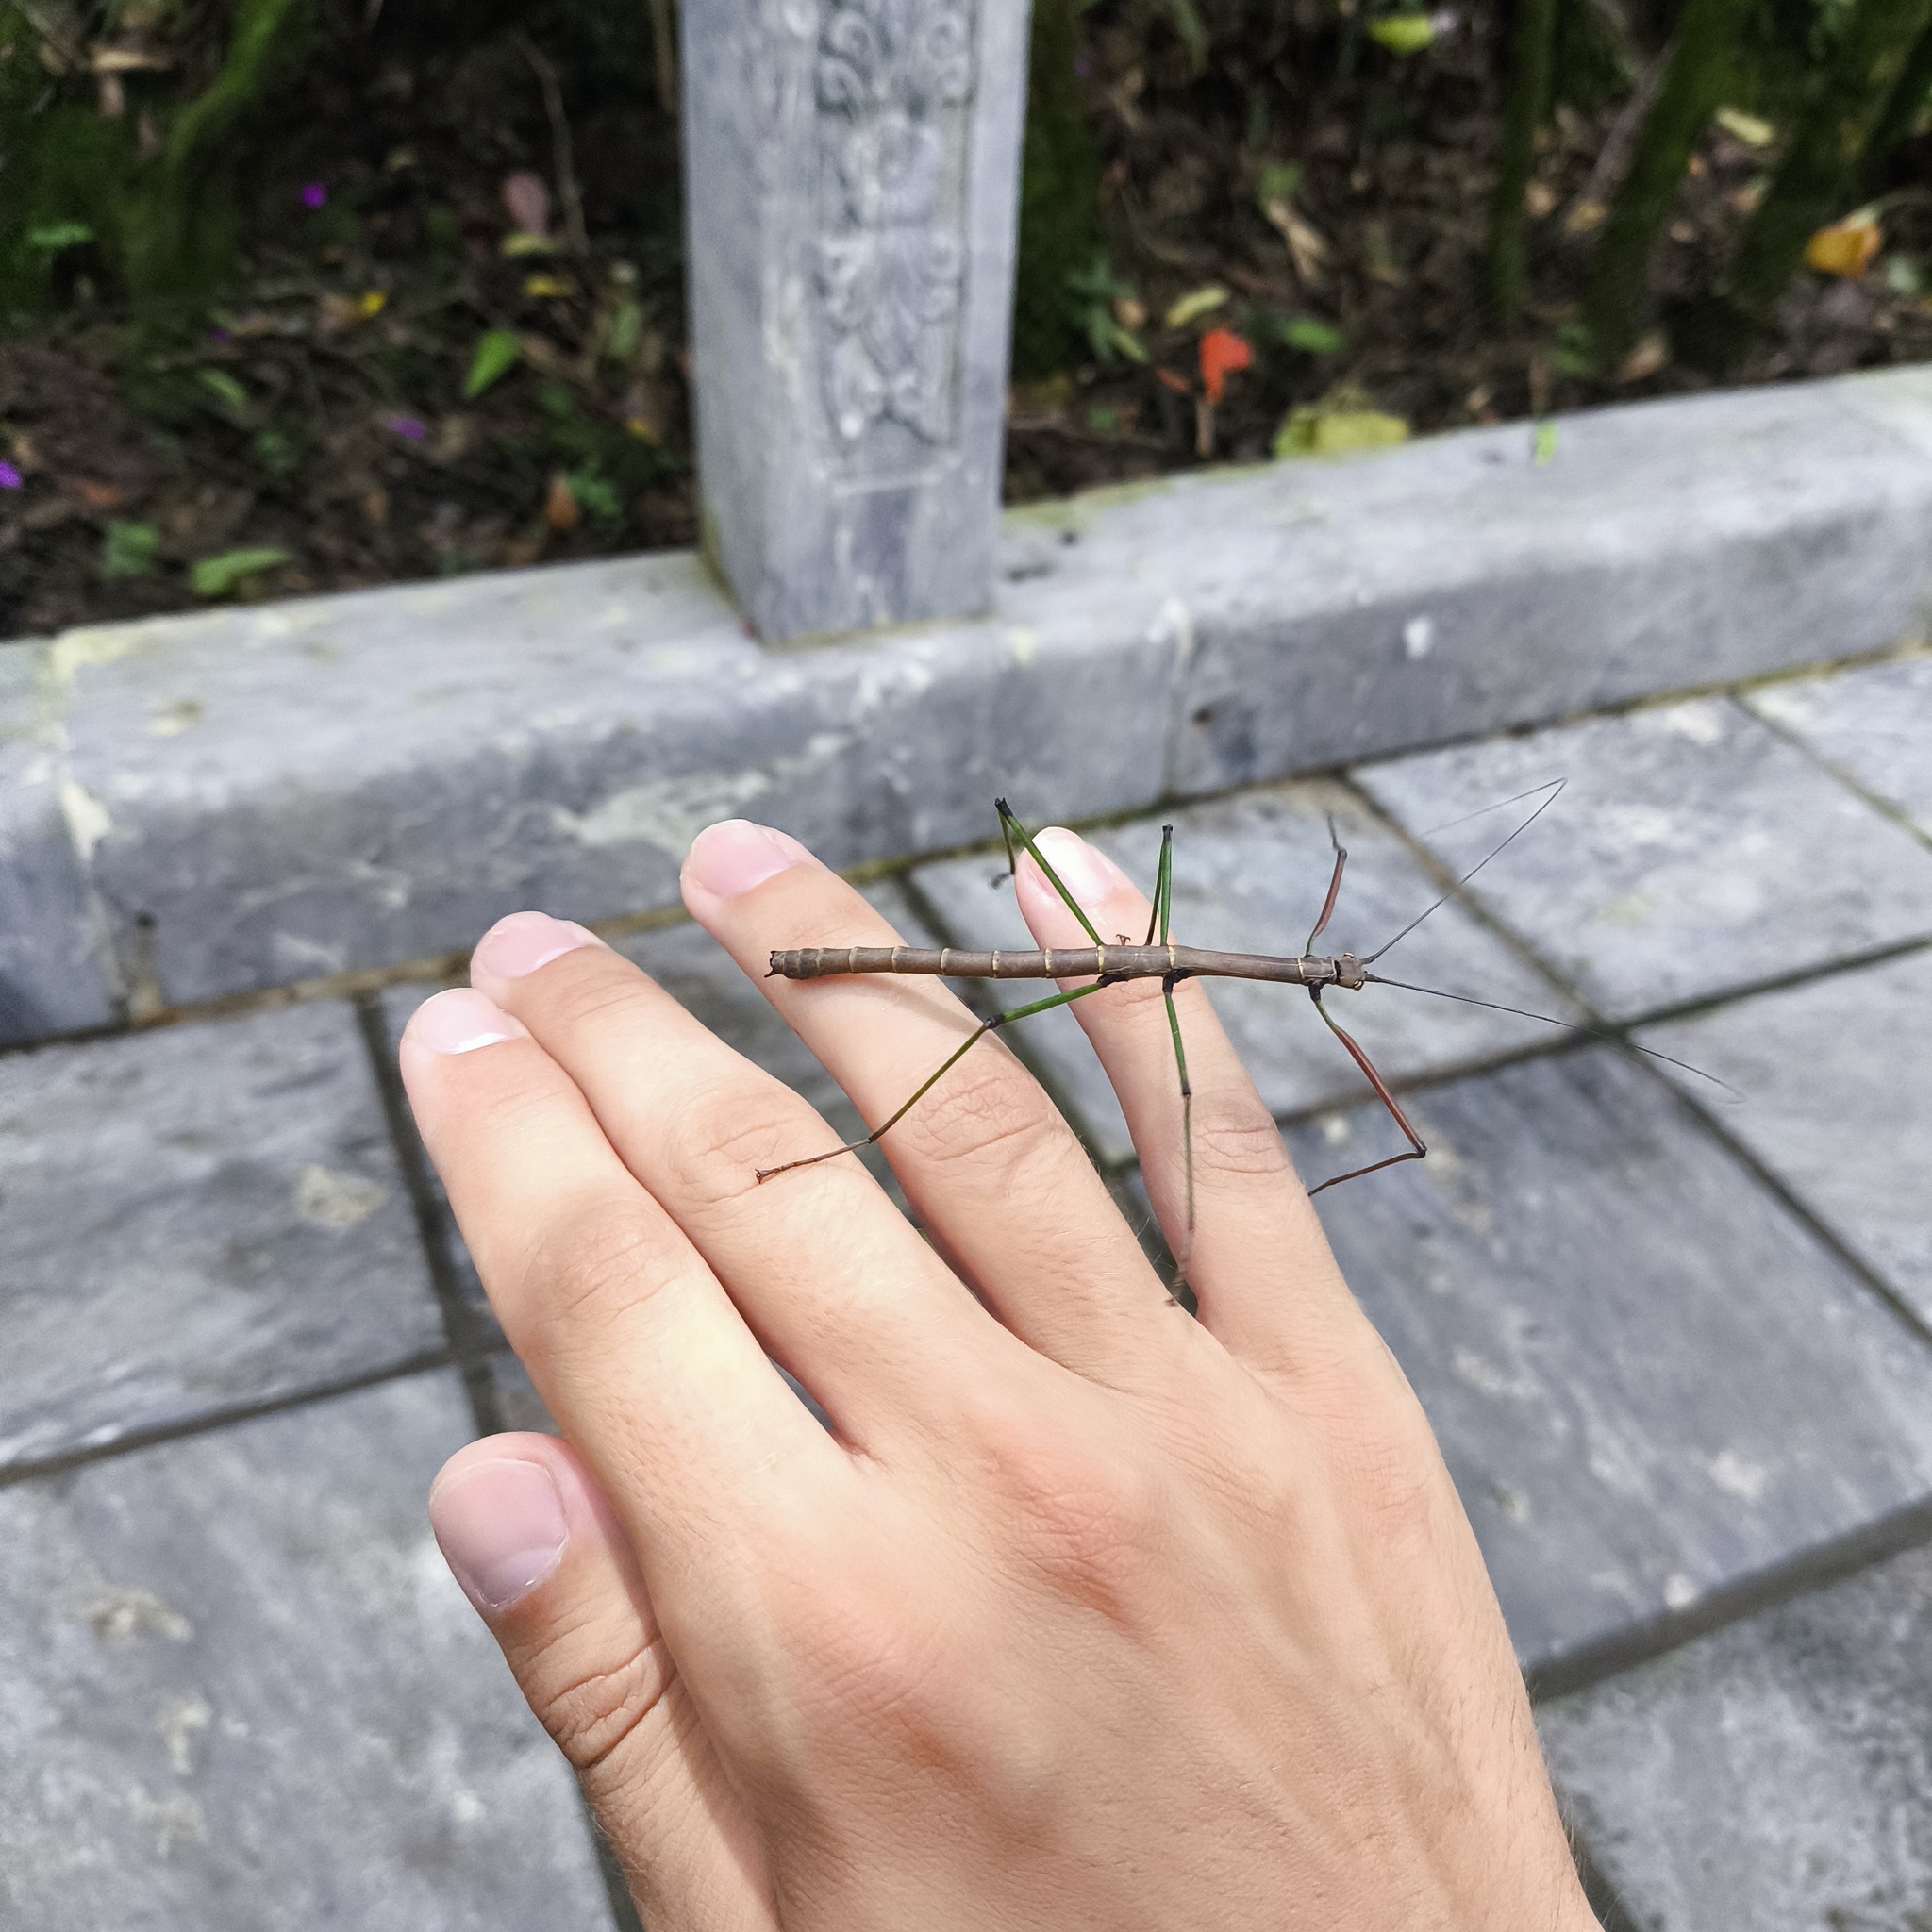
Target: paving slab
[197,1219]
[1834,1095]
[706,981]
[1250,874]
[1772,1773]
[1693,852]
[52,940]
[1873,725]
[238,1691]
[1649,1378]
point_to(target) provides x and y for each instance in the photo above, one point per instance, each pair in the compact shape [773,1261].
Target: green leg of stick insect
[1018,838]
[944,1067]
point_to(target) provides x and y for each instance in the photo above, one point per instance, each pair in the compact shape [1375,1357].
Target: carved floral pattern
[892,269]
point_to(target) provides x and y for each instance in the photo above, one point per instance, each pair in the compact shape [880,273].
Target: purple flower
[410,428]
[219,334]
[10,477]
[314,196]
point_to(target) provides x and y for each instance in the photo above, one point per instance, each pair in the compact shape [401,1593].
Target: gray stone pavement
[1675,1337]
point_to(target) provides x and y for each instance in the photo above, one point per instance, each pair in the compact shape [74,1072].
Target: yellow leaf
[1403,33]
[520,244]
[555,287]
[1846,247]
[1747,128]
[1316,431]
[1195,304]
[374,303]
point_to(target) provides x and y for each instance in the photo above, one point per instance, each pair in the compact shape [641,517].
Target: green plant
[220,577]
[76,176]
[128,550]
[497,353]
[1060,193]
[1819,171]
[1695,78]
[1532,47]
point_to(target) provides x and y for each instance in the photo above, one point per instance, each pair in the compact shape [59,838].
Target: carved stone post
[852,183]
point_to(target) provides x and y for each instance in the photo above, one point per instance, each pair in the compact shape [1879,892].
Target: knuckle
[719,1136]
[1236,1138]
[992,1113]
[1086,1518]
[598,1261]
[592,1715]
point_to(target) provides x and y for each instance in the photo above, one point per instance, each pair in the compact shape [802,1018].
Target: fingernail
[734,856]
[460,1021]
[1086,872]
[501,1528]
[526,941]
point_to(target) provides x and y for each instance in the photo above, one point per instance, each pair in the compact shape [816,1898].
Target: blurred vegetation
[300,294]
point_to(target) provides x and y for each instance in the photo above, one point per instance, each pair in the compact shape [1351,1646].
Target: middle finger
[987,1163]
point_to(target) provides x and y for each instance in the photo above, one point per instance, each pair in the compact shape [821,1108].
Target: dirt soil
[1327,212]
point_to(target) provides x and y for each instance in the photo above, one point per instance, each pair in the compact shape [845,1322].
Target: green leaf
[624,332]
[129,550]
[1313,338]
[1403,33]
[273,451]
[1280,182]
[1542,450]
[496,355]
[58,235]
[595,494]
[215,576]
[223,388]
[1574,353]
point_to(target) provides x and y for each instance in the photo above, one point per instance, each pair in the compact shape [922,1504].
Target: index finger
[627,1334]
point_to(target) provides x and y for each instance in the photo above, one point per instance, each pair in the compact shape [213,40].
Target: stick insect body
[1156,958]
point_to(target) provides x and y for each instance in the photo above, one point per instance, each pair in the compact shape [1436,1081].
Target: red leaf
[1222,353]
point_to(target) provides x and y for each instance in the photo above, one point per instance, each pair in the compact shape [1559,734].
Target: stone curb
[198,805]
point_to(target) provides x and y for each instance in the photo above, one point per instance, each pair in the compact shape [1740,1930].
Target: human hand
[1089,1614]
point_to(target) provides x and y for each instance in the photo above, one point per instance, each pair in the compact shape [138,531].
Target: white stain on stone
[182,1720]
[177,1820]
[1737,1476]
[119,1616]
[1419,638]
[1702,720]
[1679,1590]
[669,813]
[1175,624]
[80,650]
[175,719]
[1021,645]
[87,822]
[1485,1376]
[327,1198]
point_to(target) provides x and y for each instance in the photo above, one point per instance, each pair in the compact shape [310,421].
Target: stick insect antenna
[1568,1025]
[1553,788]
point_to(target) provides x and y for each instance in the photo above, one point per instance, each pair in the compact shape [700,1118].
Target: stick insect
[1156,958]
